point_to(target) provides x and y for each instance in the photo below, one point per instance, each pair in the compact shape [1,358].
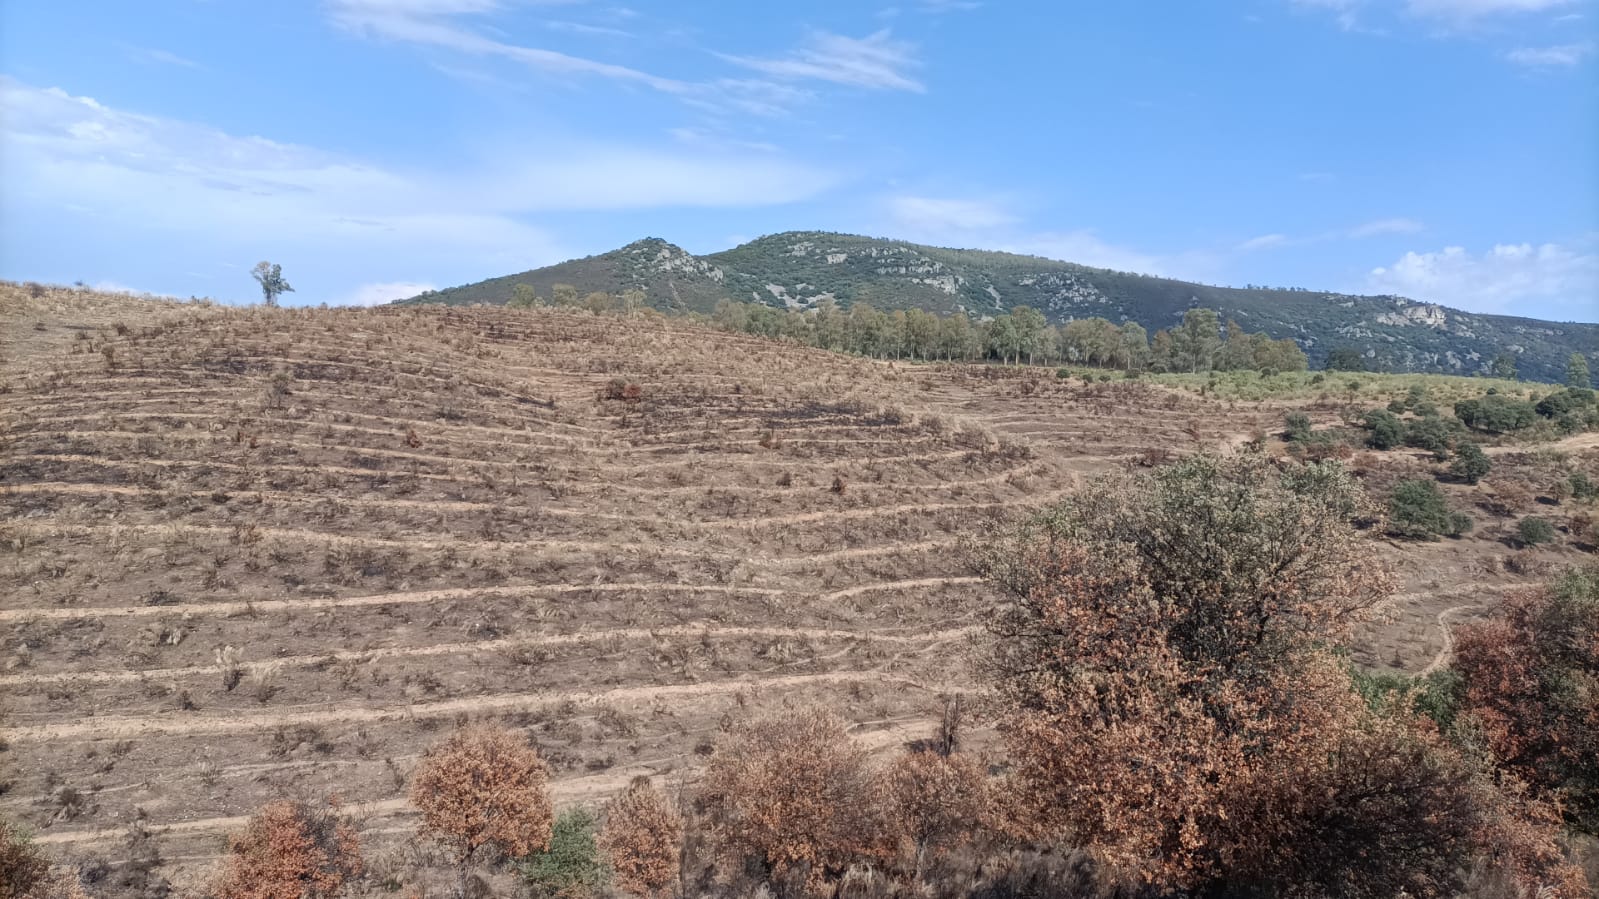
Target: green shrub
[1564,402]
[1418,511]
[1535,531]
[571,866]
[1298,427]
[1583,487]
[1386,431]
[1432,434]
[1437,695]
[1496,414]
[1470,464]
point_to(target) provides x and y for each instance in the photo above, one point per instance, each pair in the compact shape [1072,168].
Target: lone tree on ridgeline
[270,276]
[1172,701]
[484,786]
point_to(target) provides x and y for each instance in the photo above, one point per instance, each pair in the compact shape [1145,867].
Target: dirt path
[1447,652]
[1574,443]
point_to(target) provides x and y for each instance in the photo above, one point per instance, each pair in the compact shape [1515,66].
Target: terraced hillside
[268,552]
[250,553]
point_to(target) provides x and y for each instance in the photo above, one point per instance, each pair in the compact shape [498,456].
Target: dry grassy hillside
[248,553]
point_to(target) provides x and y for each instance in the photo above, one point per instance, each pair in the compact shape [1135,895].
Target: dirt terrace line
[427,596]
[662,521]
[564,790]
[700,629]
[122,728]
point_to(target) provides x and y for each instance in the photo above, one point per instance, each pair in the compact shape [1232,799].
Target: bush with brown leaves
[642,839]
[484,787]
[22,865]
[289,850]
[1172,703]
[1530,674]
[788,792]
[932,803]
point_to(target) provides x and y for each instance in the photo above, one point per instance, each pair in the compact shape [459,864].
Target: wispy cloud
[461,26]
[1562,56]
[161,57]
[1444,16]
[376,294]
[433,23]
[1263,242]
[990,223]
[938,215]
[877,61]
[1385,226]
[1345,12]
[153,175]
[1374,228]
[1564,278]
[1465,11]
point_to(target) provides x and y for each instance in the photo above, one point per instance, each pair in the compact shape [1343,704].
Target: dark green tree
[1504,366]
[1418,511]
[1345,359]
[1535,531]
[1470,463]
[1577,371]
[1386,431]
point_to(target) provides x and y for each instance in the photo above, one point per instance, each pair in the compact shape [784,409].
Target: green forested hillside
[797,270]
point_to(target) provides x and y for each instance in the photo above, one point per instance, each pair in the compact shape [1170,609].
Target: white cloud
[1344,11]
[1468,10]
[224,196]
[383,292]
[990,223]
[1451,15]
[1263,242]
[876,61]
[1385,226]
[1375,228]
[1563,278]
[1085,247]
[430,23]
[119,287]
[162,57]
[936,215]
[1562,56]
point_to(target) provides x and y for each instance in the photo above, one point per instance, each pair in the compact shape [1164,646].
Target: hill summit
[800,269]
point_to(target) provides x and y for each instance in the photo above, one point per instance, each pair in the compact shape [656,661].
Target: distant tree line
[1199,343]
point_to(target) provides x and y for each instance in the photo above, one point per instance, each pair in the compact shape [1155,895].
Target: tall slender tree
[270,276]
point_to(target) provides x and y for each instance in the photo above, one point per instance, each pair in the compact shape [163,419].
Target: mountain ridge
[799,269]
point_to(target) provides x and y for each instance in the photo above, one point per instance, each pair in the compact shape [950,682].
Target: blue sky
[1446,150]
